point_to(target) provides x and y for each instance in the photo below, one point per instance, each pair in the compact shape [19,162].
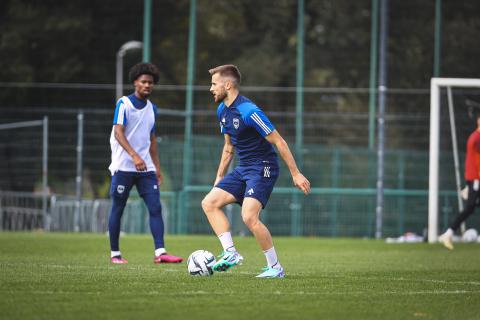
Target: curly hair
[144,68]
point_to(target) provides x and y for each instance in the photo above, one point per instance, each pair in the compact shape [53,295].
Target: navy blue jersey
[247,126]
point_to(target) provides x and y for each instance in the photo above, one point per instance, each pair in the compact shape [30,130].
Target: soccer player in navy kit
[250,134]
[135,161]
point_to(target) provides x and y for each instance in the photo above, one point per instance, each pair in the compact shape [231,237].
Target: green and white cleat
[272,273]
[227,260]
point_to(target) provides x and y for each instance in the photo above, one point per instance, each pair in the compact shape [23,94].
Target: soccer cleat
[272,273]
[227,260]
[446,241]
[118,260]
[166,258]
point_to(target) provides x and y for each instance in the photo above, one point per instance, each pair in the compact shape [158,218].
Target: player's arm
[299,180]
[154,156]
[226,158]
[119,132]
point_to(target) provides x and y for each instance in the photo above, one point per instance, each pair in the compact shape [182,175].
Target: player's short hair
[228,70]
[144,68]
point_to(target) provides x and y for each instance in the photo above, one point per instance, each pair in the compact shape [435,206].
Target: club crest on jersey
[120,189]
[236,123]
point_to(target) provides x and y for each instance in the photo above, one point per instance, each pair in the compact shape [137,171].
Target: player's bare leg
[251,209]
[212,205]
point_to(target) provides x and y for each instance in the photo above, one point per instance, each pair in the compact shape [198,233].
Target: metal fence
[24,211]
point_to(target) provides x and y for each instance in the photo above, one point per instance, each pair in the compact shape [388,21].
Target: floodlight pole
[382,90]
[120,54]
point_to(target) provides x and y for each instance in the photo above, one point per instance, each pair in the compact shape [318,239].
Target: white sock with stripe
[272,259]
[227,242]
[115,253]
[160,251]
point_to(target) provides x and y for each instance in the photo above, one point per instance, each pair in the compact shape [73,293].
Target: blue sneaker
[227,260]
[272,273]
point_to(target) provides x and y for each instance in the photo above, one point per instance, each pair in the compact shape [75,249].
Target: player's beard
[219,97]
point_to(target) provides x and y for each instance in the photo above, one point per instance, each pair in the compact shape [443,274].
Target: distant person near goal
[135,161]
[472,179]
[250,134]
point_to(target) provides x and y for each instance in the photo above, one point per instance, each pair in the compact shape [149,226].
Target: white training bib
[138,127]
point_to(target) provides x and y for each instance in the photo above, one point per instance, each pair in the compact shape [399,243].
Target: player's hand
[140,165]
[301,183]
[159,178]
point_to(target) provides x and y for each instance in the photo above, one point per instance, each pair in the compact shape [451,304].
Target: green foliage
[68,276]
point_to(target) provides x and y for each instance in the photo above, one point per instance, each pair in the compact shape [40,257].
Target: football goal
[20,170]
[450,98]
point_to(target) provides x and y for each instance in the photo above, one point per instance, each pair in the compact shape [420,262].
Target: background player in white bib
[135,161]
[248,132]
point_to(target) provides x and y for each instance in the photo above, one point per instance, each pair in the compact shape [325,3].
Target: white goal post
[435,85]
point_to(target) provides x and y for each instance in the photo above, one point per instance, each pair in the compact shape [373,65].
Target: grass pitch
[68,276]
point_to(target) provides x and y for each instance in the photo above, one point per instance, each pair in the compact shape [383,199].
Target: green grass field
[68,276]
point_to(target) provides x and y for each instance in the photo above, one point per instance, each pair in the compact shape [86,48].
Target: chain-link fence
[42,76]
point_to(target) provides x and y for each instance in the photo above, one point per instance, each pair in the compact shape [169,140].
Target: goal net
[453,105]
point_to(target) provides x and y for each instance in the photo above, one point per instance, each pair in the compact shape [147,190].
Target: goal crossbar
[435,85]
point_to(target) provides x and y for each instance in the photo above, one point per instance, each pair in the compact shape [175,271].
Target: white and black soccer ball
[200,263]
[470,235]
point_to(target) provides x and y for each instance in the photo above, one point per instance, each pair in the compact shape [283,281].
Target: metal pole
[119,77]
[296,227]
[79,179]
[438,38]
[433,162]
[373,74]
[299,83]
[119,72]
[382,88]
[456,162]
[189,96]
[147,29]
[187,147]
[46,217]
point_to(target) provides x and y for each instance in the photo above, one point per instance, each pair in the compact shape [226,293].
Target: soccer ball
[470,235]
[200,263]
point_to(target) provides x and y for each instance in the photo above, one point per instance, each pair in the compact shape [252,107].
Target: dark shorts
[252,181]
[122,183]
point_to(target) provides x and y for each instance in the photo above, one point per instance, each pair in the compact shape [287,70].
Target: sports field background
[68,276]
[335,75]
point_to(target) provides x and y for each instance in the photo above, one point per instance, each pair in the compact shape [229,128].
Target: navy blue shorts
[122,183]
[252,181]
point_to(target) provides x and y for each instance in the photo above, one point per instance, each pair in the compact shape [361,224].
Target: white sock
[272,259]
[227,242]
[449,233]
[160,251]
[115,253]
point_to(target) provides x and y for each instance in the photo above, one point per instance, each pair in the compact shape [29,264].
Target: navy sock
[152,200]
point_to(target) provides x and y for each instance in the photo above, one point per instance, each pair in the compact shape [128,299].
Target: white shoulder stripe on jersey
[260,122]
